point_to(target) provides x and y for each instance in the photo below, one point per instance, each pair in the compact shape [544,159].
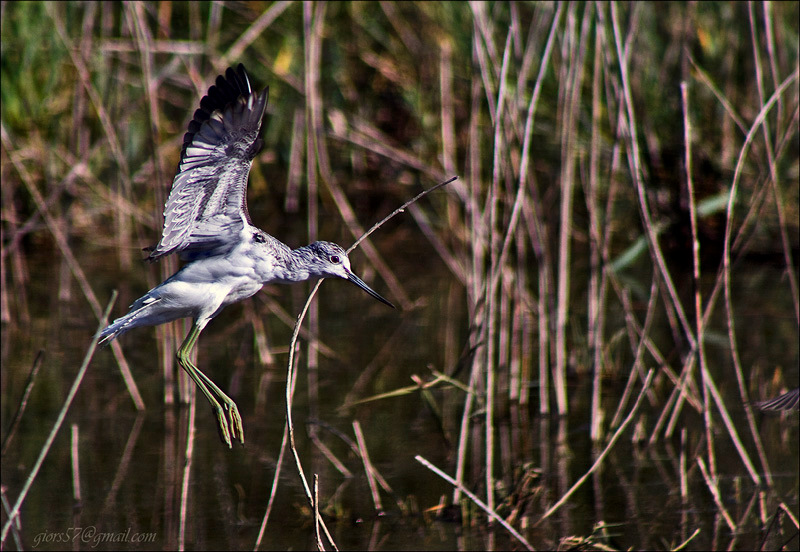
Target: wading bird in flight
[207,223]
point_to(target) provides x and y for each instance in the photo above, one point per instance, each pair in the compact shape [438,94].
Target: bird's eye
[259,238]
[335,259]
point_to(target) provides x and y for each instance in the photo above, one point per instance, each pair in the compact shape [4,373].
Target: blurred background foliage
[381,67]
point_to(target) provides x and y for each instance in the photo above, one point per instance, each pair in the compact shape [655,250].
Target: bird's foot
[229,422]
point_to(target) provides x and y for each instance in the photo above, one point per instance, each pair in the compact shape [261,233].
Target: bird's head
[328,260]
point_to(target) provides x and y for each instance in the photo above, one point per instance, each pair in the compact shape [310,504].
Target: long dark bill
[360,283]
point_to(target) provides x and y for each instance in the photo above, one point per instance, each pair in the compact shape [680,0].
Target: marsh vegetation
[585,315]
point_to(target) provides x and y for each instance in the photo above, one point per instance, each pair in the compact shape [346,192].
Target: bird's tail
[137,316]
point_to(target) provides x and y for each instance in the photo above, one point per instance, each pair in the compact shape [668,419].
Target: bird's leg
[228,418]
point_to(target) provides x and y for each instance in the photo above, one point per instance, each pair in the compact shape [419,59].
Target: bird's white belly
[205,287]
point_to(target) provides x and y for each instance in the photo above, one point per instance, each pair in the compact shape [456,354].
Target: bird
[207,223]
[789,401]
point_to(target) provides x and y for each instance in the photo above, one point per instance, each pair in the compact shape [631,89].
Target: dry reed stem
[291,372]
[706,79]
[57,231]
[699,320]
[521,198]
[317,517]
[76,467]
[711,483]
[779,206]
[686,541]
[634,161]
[611,442]
[684,477]
[290,385]
[337,464]
[399,210]
[317,166]
[276,309]
[23,402]
[273,489]
[726,259]
[14,512]
[418,386]
[654,247]
[447,114]
[522,219]
[770,150]
[167,338]
[318,158]
[123,227]
[368,137]
[378,362]
[790,515]
[16,526]
[368,469]
[486,287]
[698,301]
[572,84]
[598,279]
[477,240]
[490,326]
[492,514]
[255,30]
[640,334]
[379,479]
[187,472]
[121,473]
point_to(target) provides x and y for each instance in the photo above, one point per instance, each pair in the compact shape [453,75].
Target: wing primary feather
[207,204]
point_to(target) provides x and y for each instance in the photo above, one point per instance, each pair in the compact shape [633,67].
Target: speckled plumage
[207,223]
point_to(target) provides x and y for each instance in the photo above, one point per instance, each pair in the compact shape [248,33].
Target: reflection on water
[132,465]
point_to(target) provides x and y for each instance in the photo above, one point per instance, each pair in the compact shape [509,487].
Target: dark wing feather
[207,207]
[787,402]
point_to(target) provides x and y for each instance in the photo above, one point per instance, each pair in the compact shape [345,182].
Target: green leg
[228,418]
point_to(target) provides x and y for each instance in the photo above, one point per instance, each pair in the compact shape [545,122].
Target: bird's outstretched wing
[787,402]
[207,206]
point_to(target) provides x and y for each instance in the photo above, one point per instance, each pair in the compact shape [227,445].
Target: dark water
[132,465]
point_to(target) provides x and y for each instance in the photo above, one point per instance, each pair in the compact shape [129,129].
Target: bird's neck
[282,264]
[274,261]
[296,268]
